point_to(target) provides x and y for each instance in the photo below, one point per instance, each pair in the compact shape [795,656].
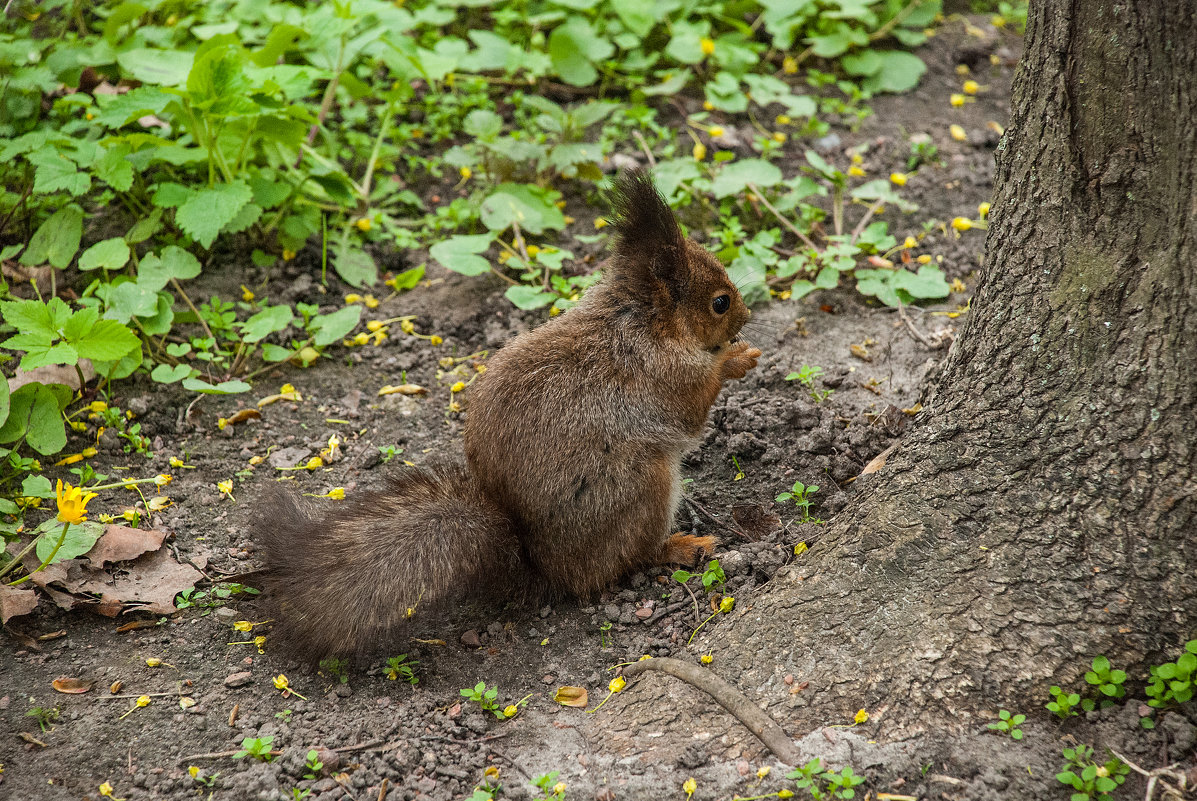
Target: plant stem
[175,283]
[805,239]
[48,559]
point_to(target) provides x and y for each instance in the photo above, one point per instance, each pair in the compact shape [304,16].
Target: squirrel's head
[662,273]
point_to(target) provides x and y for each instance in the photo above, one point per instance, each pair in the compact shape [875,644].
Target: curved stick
[727,697]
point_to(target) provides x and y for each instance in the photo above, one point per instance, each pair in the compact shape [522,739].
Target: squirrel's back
[344,580]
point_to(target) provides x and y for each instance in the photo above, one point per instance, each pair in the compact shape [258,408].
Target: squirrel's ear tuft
[646,232]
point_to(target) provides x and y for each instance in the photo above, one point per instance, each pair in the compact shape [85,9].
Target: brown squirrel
[574,438]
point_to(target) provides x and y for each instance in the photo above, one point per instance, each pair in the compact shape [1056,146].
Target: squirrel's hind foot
[686,549]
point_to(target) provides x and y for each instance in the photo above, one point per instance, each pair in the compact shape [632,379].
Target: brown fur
[574,439]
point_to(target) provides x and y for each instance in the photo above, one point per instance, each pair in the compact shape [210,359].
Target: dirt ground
[384,738]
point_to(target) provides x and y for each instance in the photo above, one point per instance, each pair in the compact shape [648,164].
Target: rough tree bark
[1044,508]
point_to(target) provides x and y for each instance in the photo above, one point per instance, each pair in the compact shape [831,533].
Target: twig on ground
[1153,777]
[784,221]
[648,153]
[917,334]
[728,697]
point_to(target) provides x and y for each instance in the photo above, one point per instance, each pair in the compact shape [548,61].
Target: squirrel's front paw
[741,357]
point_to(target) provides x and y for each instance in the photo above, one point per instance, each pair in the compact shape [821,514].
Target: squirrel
[574,437]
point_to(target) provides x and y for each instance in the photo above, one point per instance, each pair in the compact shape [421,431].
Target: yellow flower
[689,785]
[763,772]
[247,294]
[782,119]
[457,386]
[72,503]
[559,788]
[956,100]
[860,717]
[371,302]
[374,325]
[706,659]
[707,105]
[143,700]
[288,254]
[707,45]
[982,210]
[281,682]
[407,326]
[336,493]
[106,789]
[715,130]
[466,173]
[533,250]
[699,152]
[779,137]
[789,65]
[962,69]
[193,771]
[785,793]
[727,604]
[243,625]
[617,684]
[510,711]
[314,463]
[910,242]
[600,223]
[856,172]
[222,423]
[360,338]
[435,340]
[962,223]
[363,224]
[958,133]
[491,772]
[177,463]
[971,87]
[153,661]
[924,259]
[97,406]
[353,297]
[226,487]
[162,479]
[897,178]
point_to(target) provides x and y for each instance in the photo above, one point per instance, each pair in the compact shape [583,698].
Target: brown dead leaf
[121,543]
[860,352]
[572,696]
[135,625]
[15,602]
[403,389]
[53,635]
[52,374]
[878,461]
[71,686]
[29,738]
[243,415]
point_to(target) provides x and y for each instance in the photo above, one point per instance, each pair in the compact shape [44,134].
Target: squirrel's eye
[721,304]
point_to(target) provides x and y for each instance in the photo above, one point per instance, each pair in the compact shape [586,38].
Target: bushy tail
[343,581]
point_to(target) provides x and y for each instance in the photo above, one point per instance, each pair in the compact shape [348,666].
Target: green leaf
[56,173]
[735,177]
[355,265]
[156,270]
[529,297]
[80,538]
[408,279]
[154,66]
[329,328]
[637,15]
[35,412]
[724,93]
[166,374]
[574,47]
[928,282]
[266,322]
[458,253]
[207,211]
[223,388]
[109,254]
[838,42]
[115,169]
[483,124]
[57,239]
[685,45]
[106,340]
[531,206]
[899,72]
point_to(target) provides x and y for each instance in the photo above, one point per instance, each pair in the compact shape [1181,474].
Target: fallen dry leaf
[121,543]
[403,389]
[878,461]
[72,686]
[15,602]
[52,374]
[243,415]
[572,696]
[860,352]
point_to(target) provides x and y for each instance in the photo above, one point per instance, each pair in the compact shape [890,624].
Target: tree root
[728,697]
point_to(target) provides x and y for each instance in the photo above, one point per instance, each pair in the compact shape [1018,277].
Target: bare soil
[426,741]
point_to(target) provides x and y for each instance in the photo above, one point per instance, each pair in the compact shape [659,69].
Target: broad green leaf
[79,539]
[638,16]
[838,42]
[3,399]
[408,279]
[115,169]
[119,110]
[157,269]
[223,388]
[724,93]
[109,254]
[56,173]
[33,317]
[330,328]
[459,254]
[483,124]
[127,300]
[35,412]
[120,368]
[685,45]
[899,72]
[166,374]
[529,297]
[532,207]
[153,66]
[57,239]
[735,177]
[669,175]
[208,210]
[106,340]
[266,322]
[574,47]
[355,265]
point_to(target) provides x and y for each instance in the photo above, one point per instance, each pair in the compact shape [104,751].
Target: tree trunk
[1043,510]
